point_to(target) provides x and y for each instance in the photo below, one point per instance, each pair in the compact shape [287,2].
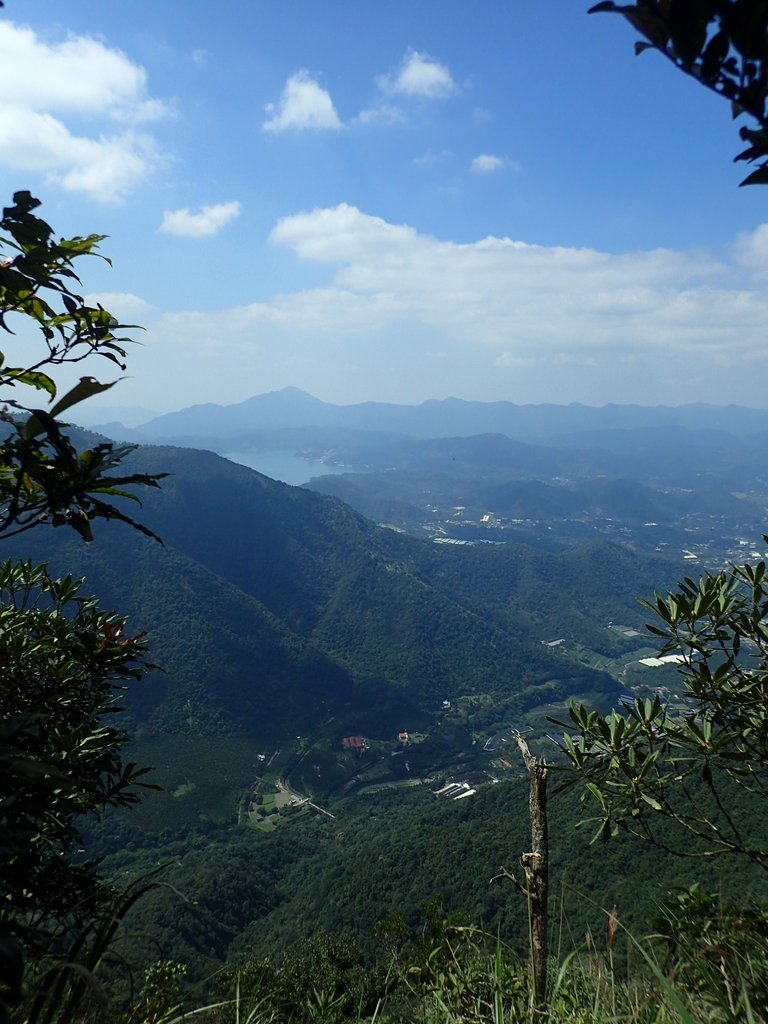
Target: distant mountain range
[560,473]
[292,408]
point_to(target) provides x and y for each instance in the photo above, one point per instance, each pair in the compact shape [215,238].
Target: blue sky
[493,200]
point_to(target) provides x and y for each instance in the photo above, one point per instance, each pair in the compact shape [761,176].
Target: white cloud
[106,169]
[513,319]
[303,104]
[208,221]
[51,89]
[419,75]
[751,250]
[321,307]
[341,234]
[120,304]
[79,74]
[514,297]
[511,361]
[382,113]
[485,163]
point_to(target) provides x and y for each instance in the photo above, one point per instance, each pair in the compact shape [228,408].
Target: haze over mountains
[688,482]
[449,417]
[568,464]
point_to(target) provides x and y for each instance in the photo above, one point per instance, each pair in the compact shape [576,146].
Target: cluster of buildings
[455,791]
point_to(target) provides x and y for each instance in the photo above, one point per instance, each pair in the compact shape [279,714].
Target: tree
[688,781]
[535,864]
[43,477]
[64,663]
[721,43]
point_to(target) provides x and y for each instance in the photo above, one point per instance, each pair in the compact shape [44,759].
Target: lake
[286,466]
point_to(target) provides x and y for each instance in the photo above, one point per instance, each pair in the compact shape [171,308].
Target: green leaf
[603,833]
[34,378]
[651,801]
[596,794]
[87,387]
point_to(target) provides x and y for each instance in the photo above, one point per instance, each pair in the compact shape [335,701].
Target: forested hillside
[268,602]
[283,621]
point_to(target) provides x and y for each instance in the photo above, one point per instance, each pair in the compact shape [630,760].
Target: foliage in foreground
[703,767]
[702,965]
[723,44]
[43,477]
[63,662]
[65,666]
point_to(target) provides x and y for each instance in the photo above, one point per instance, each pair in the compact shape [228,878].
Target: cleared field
[192,791]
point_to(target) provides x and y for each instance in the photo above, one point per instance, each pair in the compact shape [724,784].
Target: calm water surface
[286,466]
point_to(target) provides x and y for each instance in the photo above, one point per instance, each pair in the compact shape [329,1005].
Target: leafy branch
[723,44]
[43,476]
[646,768]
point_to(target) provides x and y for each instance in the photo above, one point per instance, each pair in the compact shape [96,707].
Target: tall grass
[470,977]
[703,964]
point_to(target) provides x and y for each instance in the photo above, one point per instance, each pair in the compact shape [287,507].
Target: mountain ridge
[292,407]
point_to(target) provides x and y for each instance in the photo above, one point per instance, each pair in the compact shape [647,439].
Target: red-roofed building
[354,743]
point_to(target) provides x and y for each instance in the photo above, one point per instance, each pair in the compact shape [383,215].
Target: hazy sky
[492,199]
